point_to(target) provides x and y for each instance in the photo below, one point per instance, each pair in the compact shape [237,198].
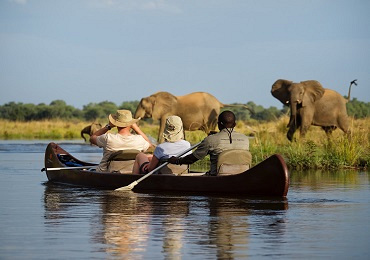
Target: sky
[90,51]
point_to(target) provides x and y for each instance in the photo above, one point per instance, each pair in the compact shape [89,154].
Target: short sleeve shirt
[167,149]
[217,143]
[115,142]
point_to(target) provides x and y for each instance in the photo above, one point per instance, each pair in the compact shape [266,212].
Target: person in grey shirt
[226,139]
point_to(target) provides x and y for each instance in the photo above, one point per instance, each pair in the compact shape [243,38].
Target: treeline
[58,109]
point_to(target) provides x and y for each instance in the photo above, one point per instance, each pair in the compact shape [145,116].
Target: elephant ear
[147,105]
[313,91]
[164,103]
[280,90]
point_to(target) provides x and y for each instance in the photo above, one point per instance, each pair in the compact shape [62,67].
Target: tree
[358,109]
[130,105]
[94,111]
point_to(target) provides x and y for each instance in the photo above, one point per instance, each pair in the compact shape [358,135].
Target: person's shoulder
[240,134]
[138,137]
[241,137]
[161,145]
[215,136]
[104,136]
[184,142]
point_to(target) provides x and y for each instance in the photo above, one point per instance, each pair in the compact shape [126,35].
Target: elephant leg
[293,126]
[291,132]
[304,129]
[212,126]
[329,130]
[162,124]
[343,124]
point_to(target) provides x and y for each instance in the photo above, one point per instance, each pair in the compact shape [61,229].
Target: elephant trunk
[292,121]
[140,112]
[293,114]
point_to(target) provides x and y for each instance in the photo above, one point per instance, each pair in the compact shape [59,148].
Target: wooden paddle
[133,184]
[68,168]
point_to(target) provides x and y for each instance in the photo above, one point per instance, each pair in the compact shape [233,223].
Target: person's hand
[173,160]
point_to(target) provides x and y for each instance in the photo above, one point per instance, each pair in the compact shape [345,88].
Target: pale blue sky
[84,51]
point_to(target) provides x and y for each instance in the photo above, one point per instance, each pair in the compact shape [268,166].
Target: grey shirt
[217,143]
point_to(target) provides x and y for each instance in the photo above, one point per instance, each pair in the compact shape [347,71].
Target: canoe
[268,178]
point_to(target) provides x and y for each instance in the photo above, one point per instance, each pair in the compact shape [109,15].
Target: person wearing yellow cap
[122,140]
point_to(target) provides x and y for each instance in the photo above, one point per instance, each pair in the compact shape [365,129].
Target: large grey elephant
[90,129]
[198,110]
[311,104]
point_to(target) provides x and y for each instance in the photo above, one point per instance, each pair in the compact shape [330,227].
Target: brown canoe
[268,178]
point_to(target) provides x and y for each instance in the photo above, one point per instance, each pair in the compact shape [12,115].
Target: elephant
[198,110]
[90,129]
[311,104]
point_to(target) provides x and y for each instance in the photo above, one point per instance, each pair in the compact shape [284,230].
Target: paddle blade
[128,187]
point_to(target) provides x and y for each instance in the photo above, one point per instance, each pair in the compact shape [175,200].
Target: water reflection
[319,179]
[128,224]
[229,226]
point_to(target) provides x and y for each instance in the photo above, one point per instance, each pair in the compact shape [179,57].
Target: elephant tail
[238,105]
[349,90]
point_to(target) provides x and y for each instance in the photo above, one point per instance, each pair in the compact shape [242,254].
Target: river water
[325,215]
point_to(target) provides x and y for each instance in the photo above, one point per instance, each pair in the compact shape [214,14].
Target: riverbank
[315,151]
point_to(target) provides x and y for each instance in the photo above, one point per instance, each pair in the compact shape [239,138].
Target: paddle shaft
[133,184]
[68,168]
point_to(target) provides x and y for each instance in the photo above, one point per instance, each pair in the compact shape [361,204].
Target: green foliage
[58,109]
[130,105]
[95,111]
[358,109]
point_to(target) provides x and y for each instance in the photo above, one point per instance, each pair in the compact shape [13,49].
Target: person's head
[173,130]
[122,118]
[226,120]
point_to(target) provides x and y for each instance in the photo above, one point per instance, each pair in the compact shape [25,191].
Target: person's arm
[137,129]
[154,162]
[101,131]
[189,159]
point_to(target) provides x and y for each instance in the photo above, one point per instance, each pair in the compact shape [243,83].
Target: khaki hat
[173,130]
[122,118]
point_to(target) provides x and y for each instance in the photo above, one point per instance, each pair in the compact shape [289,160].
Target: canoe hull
[269,178]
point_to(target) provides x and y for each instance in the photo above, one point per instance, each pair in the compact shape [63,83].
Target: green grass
[315,151]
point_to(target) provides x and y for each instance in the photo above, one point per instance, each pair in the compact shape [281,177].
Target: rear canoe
[268,178]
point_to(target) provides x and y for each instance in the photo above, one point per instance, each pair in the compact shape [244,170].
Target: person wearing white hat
[174,144]
[122,140]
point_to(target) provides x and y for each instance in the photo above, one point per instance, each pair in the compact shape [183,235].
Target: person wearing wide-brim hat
[122,140]
[174,144]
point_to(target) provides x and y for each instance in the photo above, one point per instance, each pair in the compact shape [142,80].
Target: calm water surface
[326,215]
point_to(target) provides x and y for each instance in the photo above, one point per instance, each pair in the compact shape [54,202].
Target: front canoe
[268,178]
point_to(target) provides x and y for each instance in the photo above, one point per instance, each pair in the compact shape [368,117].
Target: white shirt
[166,150]
[115,142]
